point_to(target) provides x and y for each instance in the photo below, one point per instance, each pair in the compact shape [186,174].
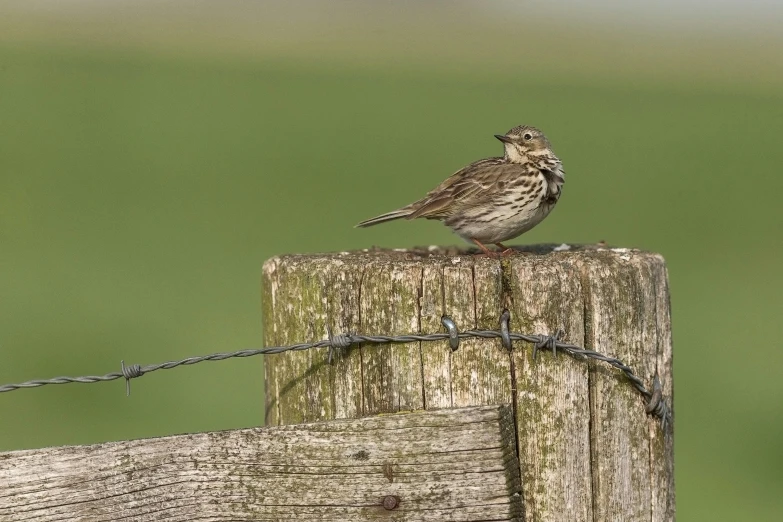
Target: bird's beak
[503,138]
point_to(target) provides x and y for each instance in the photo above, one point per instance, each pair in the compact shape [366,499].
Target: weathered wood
[441,465]
[389,302]
[622,313]
[436,356]
[297,304]
[553,410]
[628,307]
[480,370]
[587,448]
[662,447]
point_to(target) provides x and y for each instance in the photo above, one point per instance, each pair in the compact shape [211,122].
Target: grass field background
[150,161]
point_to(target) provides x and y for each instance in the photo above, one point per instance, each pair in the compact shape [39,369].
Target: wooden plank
[620,324]
[299,284]
[441,465]
[662,441]
[480,368]
[553,410]
[435,356]
[470,291]
[389,305]
[343,316]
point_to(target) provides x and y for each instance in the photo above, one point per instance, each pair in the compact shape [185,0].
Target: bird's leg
[505,251]
[484,249]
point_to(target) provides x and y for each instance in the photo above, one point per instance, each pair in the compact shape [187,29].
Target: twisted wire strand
[656,402]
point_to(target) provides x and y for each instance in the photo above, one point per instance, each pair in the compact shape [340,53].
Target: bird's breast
[510,212]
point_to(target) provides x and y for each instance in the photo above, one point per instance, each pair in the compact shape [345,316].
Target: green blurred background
[154,154]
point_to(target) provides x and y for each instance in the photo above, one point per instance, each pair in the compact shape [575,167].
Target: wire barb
[335,342]
[657,405]
[548,342]
[130,372]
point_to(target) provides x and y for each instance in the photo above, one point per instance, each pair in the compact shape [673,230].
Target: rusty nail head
[390,502]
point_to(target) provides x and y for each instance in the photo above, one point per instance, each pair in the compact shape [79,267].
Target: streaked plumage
[495,199]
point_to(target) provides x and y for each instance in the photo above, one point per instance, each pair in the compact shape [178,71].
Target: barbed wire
[656,402]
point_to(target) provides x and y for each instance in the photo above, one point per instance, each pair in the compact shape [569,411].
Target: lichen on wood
[586,446]
[438,465]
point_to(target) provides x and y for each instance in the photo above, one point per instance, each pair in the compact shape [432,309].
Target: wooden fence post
[587,449]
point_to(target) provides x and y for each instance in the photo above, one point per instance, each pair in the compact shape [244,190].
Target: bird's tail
[389,216]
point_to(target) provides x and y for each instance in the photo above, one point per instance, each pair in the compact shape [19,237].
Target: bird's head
[522,142]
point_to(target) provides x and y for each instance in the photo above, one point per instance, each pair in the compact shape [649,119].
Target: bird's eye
[528,136]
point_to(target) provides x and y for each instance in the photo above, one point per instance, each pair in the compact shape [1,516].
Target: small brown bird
[495,199]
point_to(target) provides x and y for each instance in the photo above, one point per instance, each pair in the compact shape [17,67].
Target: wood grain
[435,356]
[481,368]
[588,450]
[296,304]
[553,410]
[440,465]
[622,316]
[389,303]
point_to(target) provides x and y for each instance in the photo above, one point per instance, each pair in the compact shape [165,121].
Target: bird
[494,199]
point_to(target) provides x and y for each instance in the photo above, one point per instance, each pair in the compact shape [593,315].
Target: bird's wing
[468,187]
[554,175]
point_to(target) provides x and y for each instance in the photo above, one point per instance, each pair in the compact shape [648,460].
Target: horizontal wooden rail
[456,464]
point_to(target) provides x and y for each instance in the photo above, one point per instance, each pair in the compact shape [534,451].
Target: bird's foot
[484,250]
[490,254]
[506,251]
[503,252]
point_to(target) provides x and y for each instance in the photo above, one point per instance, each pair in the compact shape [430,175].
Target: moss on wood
[587,448]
